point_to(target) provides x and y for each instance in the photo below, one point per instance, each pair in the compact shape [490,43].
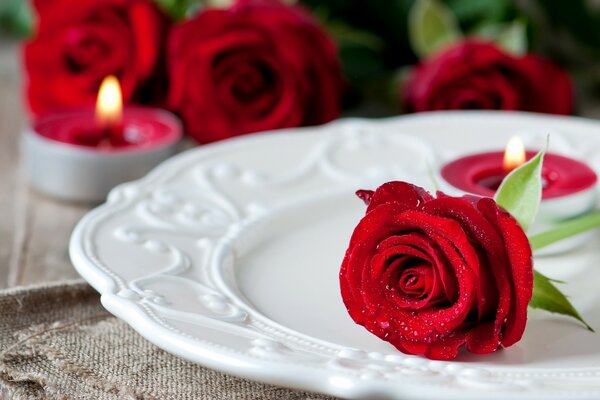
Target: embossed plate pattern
[228,255]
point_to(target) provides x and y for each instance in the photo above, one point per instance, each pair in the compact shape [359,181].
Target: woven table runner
[57,342]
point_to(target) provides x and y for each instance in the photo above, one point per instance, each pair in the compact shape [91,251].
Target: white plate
[228,255]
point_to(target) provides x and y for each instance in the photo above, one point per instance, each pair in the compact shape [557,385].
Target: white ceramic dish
[228,256]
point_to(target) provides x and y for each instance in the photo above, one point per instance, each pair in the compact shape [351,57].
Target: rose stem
[566,229]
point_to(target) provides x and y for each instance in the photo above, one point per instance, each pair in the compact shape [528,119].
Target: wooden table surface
[35,229]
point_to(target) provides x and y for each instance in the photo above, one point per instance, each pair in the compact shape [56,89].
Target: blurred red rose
[479,75]
[79,42]
[256,66]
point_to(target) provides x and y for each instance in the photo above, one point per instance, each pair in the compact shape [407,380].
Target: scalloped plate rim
[252,368]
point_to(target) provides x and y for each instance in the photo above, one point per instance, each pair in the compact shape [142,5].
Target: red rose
[79,42]
[478,75]
[256,66]
[430,275]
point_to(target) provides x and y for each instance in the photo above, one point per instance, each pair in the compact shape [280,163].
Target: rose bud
[78,43]
[430,275]
[479,75]
[258,65]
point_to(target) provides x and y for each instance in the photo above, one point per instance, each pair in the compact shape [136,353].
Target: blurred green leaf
[16,17]
[513,38]
[228,3]
[346,35]
[473,12]
[487,29]
[431,27]
[179,9]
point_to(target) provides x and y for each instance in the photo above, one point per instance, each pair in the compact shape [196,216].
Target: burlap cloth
[57,342]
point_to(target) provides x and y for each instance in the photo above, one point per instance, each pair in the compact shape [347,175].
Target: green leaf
[432,26]
[470,12]
[16,17]
[547,297]
[521,191]
[180,9]
[566,229]
[487,29]
[346,35]
[513,38]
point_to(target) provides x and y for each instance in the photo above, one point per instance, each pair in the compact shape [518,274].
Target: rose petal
[429,322]
[483,338]
[404,194]
[491,295]
[520,272]
[365,195]
[423,247]
[446,348]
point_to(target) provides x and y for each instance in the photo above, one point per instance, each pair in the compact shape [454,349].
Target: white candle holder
[86,174]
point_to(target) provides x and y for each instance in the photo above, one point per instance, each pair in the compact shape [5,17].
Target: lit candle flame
[514,156]
[109,106]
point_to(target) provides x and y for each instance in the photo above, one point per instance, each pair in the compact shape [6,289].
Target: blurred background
[379,41]
[374,39]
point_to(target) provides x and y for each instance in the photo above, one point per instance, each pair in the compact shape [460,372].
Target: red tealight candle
[110,127]
[482,173]
[569,185]
[107,128]
[81,154]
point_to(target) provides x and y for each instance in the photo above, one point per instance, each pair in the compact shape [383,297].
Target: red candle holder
[70,156]
[482,174]
[569,187]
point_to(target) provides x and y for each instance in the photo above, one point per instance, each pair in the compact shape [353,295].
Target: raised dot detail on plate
[255,208]
[159,209]
[160,300]
[224,171]
[415,361]
[453,368]
[475,373]
[127,235]
[371,375]
[435,365]
[203,242]
[128,294]
[214,302]
[253,177]
[376,356]
[189,208]
[156,245]
[211,219]
[352,354]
